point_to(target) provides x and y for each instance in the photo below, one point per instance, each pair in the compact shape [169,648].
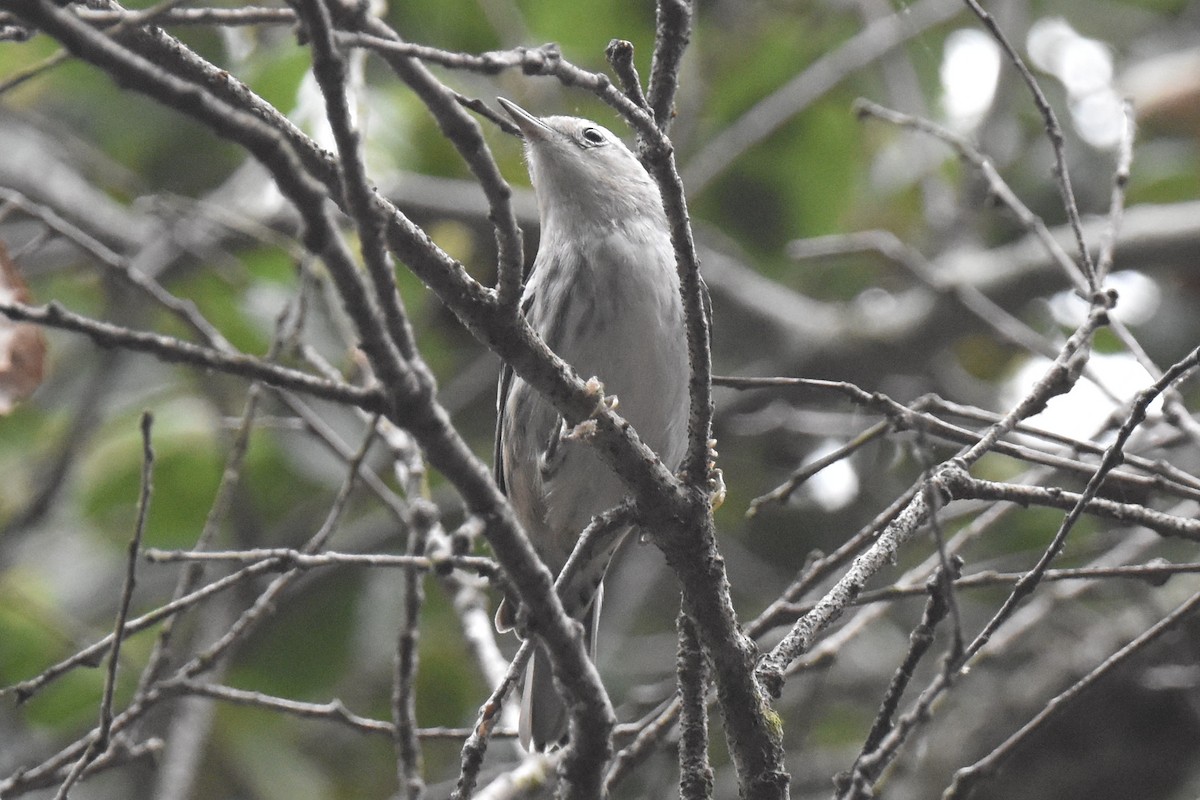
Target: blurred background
[835,247]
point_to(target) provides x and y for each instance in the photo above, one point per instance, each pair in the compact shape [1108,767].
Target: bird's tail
[543,723]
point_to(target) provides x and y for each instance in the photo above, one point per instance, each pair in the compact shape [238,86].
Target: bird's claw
[716,478]
[587,428]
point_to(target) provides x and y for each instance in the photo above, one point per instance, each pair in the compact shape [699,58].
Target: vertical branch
[330,70]
[102,735]
[620,57]
[672,33]
[695,773]
[464,133]
[854,783]
[686,533]
[422,518]
[1055,134]
[193,572]
[658,155]
[475,748]
[949,568]
[110,681]
[695,465]
[1116,205]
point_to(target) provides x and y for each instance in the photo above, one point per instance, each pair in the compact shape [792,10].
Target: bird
[603,294]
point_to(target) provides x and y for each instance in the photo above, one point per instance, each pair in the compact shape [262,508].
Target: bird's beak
[531,127]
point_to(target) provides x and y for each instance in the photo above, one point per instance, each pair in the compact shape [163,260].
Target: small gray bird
[604,295]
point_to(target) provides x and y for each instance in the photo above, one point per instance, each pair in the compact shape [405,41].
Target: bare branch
[695,772]
[1062,176]
[334,711]
[962,487]
[998,186]
[173,350]
[852,783]
[966,779]
[249,15]
[672,33]
[100,739]
[475,748]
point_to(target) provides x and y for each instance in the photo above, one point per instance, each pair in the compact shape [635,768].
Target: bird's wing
[506,376]
[502,389]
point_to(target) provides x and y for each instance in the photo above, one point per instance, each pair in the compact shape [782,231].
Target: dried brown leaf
[22,345]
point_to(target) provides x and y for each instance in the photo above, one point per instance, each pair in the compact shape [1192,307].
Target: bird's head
[583,174]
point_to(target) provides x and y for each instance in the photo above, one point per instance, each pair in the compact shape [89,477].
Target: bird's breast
[609,305]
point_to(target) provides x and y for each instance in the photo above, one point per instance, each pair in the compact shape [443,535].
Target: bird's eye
[592,137]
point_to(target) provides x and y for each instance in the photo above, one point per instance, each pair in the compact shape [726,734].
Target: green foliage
[28,611]
[841,725]
[276,73]
[187,467]
[303,650]
[260,751]
[224,301]
[20,434]
[448,685]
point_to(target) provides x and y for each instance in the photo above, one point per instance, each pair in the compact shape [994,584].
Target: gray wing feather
[502,390]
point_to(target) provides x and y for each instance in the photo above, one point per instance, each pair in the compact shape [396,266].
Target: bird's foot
[587,428]
[716,478]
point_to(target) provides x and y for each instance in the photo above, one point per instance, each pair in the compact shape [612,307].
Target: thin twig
[620,56]
[964,487]
[1116,203]
[135,545]
[1054,133]
[280,558]
[920,713]
[938,587]
[100,739]
[1080,277]
[968,778]
[782,493]
[409,760]
[224,17]
[1154,573]
[334,711]
[672,33]
[527,59]
[643,745]
[174,350]
[475,747]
